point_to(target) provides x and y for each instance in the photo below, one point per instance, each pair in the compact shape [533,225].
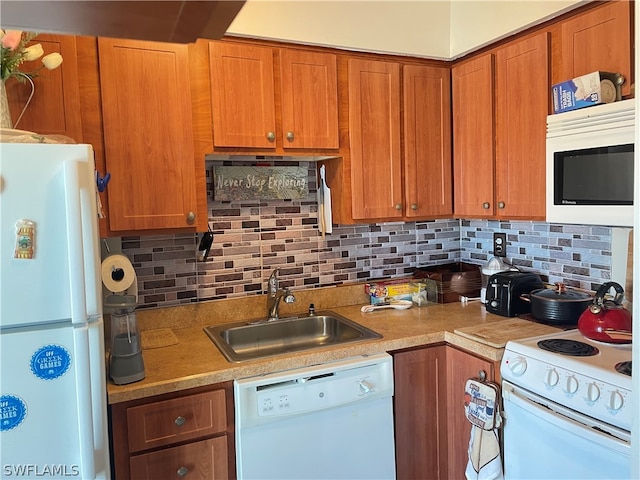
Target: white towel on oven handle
[485,462]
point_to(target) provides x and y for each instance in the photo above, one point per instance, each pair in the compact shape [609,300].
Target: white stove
[588,383]
[566,416]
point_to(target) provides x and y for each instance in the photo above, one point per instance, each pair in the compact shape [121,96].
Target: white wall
[440,29]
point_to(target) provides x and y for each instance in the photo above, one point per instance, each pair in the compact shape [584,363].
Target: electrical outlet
[500,244]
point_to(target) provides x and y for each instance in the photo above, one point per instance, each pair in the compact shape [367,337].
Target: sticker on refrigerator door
[13,411]
[25,239]
[50,362]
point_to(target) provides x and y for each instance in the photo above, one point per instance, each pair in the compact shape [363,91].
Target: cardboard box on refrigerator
[585,91]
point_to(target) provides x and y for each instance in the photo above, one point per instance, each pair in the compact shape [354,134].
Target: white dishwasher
[329,421]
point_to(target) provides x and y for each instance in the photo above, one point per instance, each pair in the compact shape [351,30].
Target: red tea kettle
[606,320]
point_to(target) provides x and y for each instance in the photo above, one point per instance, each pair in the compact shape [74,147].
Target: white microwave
[590,165]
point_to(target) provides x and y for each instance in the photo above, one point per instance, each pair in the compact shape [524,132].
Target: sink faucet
[274,295]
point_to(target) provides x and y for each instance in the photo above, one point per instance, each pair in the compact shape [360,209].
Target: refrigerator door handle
[83,392]
[74,241]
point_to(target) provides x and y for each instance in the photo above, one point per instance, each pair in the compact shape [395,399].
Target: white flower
[33,52]
[53,60]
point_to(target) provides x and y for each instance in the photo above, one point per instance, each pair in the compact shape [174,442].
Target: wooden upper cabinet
[599,39]
[55,106]
[427,142]
[521,68]
[250,110]
[242,95]
[473,137]
[309,99]
[149,149]
[374,139]
[500,130]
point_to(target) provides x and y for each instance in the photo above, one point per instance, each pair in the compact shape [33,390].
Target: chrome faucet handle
[288,296]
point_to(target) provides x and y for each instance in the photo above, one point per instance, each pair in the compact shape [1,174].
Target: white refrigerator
[53,412]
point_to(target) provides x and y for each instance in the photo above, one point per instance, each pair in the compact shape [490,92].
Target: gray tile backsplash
[578,255]
[252,238]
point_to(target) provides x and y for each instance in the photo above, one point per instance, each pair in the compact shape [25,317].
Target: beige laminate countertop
[195,361]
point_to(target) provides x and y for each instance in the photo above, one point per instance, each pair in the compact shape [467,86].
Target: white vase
[5,113]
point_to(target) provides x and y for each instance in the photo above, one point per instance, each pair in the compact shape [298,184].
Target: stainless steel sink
[259,339]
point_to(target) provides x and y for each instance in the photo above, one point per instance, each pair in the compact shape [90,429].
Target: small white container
[493,265]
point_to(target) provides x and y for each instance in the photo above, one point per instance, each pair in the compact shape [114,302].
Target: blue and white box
[585,91]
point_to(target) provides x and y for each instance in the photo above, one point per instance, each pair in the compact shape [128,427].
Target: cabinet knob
[500,204]
[271,136]
[414,206]
[191,217]
[398,206]
[182,471]
[486,205]
[179,421]
[290,136]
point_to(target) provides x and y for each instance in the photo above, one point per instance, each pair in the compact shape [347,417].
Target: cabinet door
[374,139]
[522,68]
[55,106]
[309,99]
[473,137]
[599,39]
[420,412]
[427,141]
[242,95]
[149,152]
[460,367]
[177,420]
[204,460]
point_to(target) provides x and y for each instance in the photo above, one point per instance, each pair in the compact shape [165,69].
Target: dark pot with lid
[558,306]
[607,320]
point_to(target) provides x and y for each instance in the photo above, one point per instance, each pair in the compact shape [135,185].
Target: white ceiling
[441,29]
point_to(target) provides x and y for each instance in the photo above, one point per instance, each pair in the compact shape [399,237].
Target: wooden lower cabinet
[418,406]
[186,434]
[432,433]
[460,367]
[204,460]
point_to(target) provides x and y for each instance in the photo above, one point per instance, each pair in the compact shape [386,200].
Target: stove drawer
[556,442]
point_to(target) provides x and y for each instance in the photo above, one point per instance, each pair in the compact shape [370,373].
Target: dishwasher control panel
[310,389]
[316,393]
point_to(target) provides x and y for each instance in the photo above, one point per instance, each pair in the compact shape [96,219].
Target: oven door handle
[603,435]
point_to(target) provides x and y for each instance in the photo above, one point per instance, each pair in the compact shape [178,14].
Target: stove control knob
[593,392]
[552,378]
[571,386]
[615,400]
[518,366]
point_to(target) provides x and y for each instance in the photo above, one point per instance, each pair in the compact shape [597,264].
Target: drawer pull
[180,421]
[182,471]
